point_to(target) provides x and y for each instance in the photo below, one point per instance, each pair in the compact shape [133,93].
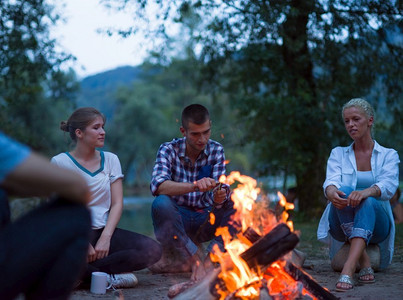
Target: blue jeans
[184,227]
[368,221]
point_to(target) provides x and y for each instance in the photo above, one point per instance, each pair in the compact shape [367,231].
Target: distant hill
[99,90]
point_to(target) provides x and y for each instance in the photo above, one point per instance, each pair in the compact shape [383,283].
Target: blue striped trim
[86,170]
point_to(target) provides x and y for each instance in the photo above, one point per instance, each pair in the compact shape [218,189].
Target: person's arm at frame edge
[36,176]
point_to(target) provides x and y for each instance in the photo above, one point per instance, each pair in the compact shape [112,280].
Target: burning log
[271,247]
[252,264]
[251,235]
[295,272]
[266,250]
[195,290]
[262,253]
[308,282]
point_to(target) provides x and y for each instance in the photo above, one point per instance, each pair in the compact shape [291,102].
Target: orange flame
[287,206]
[244,197]
[240,280]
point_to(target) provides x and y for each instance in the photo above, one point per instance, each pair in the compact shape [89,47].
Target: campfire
[256,263]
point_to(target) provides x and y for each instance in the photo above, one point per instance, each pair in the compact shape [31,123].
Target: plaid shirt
[173,164]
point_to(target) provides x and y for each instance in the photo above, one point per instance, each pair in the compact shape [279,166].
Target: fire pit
[255,264]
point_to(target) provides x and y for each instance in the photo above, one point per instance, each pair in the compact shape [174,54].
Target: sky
[95,52]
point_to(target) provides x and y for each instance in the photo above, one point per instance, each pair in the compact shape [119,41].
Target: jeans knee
[369,202]
[161,203]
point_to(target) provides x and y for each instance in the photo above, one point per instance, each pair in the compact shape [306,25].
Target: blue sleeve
[12,154]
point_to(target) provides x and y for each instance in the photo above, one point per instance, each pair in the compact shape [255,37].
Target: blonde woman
[360,180]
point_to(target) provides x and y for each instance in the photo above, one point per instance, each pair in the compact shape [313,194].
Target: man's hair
[194,113]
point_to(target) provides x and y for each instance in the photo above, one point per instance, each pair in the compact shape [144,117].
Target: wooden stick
[200,290]
[309,283]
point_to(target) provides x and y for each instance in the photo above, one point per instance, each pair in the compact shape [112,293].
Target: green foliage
[289,66]
[33,90]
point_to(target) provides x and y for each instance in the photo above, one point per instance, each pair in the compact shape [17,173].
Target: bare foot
[198,271]
[344,286]
[368,278]
[365,265]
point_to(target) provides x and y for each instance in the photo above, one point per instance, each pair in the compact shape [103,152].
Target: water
[136,215]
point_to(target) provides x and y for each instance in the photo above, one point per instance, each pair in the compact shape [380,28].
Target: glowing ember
[212,218]
[240,280]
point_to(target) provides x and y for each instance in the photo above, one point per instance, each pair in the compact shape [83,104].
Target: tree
[32,87]
[290,65]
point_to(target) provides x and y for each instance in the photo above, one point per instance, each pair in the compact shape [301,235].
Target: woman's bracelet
[377,190]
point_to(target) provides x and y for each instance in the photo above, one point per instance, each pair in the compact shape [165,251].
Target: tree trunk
[309,189]
[301,86]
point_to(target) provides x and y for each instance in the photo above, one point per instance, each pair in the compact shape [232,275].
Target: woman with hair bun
[360,180]
[112,250]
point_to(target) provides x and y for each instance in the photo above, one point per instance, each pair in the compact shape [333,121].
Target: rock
[341,256]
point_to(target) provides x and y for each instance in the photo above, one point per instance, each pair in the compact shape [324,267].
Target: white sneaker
[124,280]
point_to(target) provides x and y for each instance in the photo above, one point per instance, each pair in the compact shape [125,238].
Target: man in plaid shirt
[185,183]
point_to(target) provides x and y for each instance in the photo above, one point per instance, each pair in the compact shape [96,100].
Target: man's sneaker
[124,280]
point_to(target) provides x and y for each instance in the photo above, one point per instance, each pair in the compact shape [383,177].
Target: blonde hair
[361,104]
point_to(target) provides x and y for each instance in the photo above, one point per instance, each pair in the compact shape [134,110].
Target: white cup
[99,283]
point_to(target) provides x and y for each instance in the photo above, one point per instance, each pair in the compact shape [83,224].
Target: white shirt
[342,171]
[99,183]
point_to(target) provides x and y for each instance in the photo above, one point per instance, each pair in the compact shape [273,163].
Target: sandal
[344,279]
[364,272]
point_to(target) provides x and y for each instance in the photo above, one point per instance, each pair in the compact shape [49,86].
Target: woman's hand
[102,247]
[355,198]
[91,255]
[336,197]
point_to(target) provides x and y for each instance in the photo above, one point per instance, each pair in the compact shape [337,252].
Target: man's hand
[219,196]
[205,184]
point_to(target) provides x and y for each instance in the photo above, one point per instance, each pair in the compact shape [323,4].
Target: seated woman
[112,250]
[360,180]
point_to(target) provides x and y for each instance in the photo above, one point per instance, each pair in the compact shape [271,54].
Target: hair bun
[64,126]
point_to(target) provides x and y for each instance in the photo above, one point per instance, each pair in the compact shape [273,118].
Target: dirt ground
[388,285]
